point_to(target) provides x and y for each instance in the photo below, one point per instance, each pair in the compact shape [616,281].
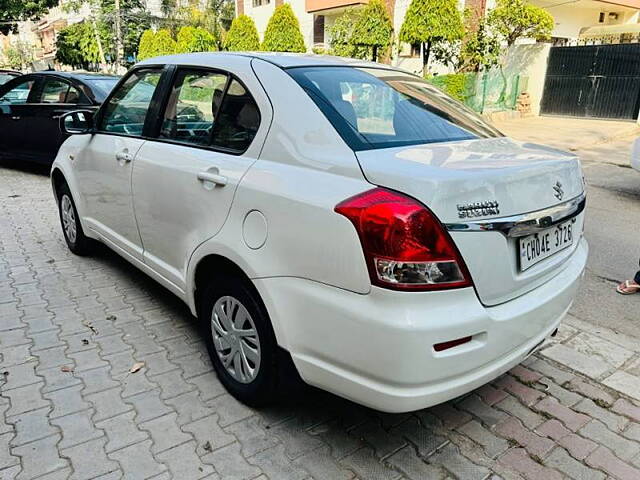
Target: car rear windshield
[375,108]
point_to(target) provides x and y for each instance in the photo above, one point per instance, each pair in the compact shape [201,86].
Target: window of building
[259,3]
[318,29]
[410,50]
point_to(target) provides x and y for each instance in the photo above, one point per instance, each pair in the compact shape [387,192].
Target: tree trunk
[426,52]
[375,53]
[118,28]
[98,41]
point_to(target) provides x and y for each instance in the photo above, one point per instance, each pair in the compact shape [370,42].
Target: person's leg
[629,287]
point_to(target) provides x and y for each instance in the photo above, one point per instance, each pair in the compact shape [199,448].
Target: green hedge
[457,85]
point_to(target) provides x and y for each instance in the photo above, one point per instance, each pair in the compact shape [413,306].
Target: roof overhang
[322,6]
[609,30]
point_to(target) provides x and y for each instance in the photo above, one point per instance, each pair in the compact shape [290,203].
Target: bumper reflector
[439,347]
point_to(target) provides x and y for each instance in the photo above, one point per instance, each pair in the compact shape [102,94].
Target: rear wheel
[240,340]
[76,240]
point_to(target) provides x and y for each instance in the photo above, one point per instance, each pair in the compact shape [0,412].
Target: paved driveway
[71,329]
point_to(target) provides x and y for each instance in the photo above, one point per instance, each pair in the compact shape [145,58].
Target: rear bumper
[377,349]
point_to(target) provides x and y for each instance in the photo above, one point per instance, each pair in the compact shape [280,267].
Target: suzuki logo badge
[559,193]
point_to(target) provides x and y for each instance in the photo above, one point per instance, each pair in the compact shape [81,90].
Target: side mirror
[77,122]
[635,154]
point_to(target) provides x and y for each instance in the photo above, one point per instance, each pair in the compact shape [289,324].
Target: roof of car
[78,75]
[283,60]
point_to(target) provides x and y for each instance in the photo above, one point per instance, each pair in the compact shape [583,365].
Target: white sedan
[329,218]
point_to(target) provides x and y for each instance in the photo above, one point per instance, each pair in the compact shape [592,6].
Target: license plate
[535,248]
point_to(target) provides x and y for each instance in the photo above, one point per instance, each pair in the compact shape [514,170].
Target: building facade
[576,21]
[587,22]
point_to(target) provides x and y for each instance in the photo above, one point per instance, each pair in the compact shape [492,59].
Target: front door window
[18,94]
[126,111]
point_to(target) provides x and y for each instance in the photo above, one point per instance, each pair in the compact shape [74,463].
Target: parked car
[31,106]
[392,248]
[6,75]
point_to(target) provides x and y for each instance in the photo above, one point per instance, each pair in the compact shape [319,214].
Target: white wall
[571,18]
[305,19]
[530,61]
[262,14]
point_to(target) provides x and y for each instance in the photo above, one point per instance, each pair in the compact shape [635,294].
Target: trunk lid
[519,177]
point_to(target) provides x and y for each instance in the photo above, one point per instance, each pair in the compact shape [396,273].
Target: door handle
[125,157]
[213,178]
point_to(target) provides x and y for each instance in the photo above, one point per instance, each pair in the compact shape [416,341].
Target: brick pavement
[71,328]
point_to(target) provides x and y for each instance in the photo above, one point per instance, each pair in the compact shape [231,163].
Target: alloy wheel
[235,339]
[68,218]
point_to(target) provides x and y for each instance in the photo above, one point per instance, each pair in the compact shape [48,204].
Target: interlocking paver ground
[71,328]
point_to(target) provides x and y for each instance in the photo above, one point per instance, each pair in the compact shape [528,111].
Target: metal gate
[600,81]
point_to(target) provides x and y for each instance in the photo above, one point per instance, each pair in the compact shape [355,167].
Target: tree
[514,19]
[431,21]
[156,44]
[374,28]
[12,11]
[283,32]
[479,48]
[19,55]
[146,48]
[342,39]
[214,16]
[195,39]
[133,20]
[163,43]
[243,35]
[77,45]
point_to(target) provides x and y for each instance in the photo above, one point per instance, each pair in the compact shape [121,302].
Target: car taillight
[405,246]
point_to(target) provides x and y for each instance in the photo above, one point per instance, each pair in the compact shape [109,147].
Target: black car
[6,75]
[31,105]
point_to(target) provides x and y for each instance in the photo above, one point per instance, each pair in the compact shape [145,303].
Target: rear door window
[238,120]
[210,109]
[126,111]
[57,91]
[193,106]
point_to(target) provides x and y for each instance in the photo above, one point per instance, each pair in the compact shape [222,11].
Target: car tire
[76,240]
[249,366]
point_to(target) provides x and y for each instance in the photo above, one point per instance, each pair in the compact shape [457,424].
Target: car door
[56,97]
[16,109]
[105,165]
[209,133]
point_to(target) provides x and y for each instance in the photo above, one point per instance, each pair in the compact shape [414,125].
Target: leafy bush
[156,44]
[164,43]
[457,85]
[76,44]
[243,35]
[195,39]
[146,48]
[514,19]
[374,28]
[342,41]
[283,32]
[429,22]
